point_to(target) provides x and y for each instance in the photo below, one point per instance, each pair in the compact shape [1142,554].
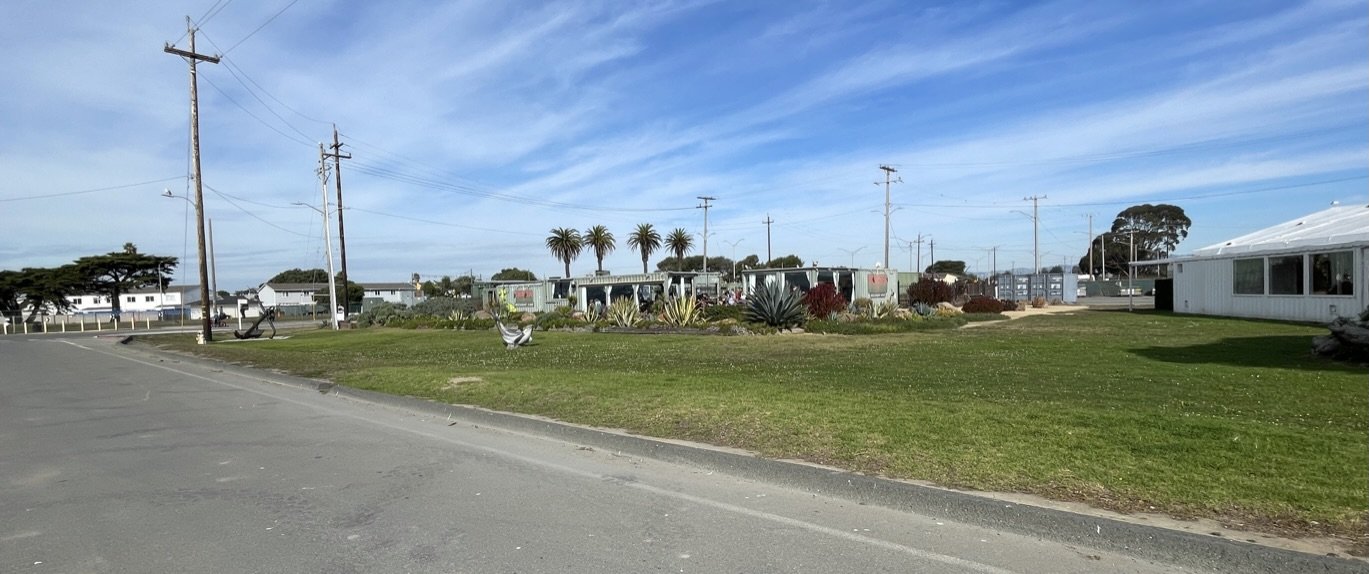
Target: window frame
[1236,284]
[1299,262]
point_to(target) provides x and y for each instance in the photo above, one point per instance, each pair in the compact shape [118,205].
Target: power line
[234,70]
[253,215]
[381,172]
[443,223]
[255,117]
[84,191]
[263,25]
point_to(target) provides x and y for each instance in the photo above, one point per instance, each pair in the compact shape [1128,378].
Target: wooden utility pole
[919,252]
[889,172]
[1036,242]
[768,257]
[705,207]
[1090,246]
[338,156]
[207,328]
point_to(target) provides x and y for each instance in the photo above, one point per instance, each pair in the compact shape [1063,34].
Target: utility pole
[338,156]
[919,252]
[327,241]
[993,257]
[206,328]
[705,206]
[889,172]
[1036,243]
[767,222]
[213,272]
[1091,246]
[931,250]
[1131,269]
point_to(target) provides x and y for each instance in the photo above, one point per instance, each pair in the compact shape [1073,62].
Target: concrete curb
[1139,540]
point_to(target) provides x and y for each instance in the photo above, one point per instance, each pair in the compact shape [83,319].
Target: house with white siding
[283,295]
[301,295]
[174,300]
[1313,268]
[399,293]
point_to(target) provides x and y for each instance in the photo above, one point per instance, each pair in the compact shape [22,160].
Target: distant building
[877,285]
[171,301]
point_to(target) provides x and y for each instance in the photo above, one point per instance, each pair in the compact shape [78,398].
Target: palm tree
[679,242]
[565,245]
[645,240]
[600,240]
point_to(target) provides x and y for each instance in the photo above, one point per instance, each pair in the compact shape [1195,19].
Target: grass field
[1191,416]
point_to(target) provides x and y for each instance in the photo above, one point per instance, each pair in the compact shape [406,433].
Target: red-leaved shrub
[981,304]
[930,291]
[823,301]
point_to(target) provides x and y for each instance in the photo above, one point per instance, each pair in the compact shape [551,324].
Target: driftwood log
[1349,338]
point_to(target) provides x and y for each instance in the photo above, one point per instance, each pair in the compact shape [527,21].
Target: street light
[328,248]
[852,253]
[733,244]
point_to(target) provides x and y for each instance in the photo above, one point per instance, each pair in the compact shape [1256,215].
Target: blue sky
[476,127]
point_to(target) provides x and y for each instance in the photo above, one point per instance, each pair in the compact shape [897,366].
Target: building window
[75,300]
[392,292]
[1285,275]
[131,299]
[1248,277]
[149,298]
[1332,273]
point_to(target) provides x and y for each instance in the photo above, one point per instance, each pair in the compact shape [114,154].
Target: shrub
[1009,305]
[930,291]
[383,314]
[1038,302]
[863,305]
[982,304]
[775,306]
[723,312]
[823,301]
[443,306]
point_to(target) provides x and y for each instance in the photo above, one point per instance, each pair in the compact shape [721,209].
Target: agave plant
[593,314]
[776,307]
[681,311]
[623,312]
[459,315]
[924,310]
[884,310]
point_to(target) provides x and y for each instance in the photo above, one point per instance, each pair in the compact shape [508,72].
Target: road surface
[116,459]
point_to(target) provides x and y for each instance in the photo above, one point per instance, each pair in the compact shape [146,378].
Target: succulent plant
[623,312]
[776,307]
[681,311]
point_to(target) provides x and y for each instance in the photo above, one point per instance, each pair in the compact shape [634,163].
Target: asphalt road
[114,459]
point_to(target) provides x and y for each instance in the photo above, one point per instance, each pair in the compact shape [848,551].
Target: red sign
[522,296]
[878,284]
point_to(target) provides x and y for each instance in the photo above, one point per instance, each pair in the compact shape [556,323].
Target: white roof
[1337,226]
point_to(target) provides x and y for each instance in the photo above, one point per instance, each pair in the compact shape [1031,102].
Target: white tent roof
[1341,225]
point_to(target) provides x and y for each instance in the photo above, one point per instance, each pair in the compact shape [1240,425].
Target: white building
[401,293]
[879,285]
[171,301]
[1313,269]
[282,295]
[287,296]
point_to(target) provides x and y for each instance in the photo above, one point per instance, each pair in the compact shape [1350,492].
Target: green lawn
[1192,416]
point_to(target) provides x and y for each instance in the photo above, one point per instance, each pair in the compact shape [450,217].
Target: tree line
[33,290]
